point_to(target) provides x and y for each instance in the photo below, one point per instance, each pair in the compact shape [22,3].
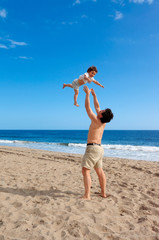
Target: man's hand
[86,89]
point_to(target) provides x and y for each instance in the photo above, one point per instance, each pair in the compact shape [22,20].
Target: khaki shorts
[93,157]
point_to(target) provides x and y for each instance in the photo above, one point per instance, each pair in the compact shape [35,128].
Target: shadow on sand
[52,192]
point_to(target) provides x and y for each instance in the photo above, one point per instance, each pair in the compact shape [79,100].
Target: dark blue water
[137,137]
[119,143]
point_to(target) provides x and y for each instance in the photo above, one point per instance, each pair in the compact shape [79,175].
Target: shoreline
[79,153]
[135,144]
[40,198]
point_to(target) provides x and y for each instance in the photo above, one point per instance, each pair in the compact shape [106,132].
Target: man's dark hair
[107,116]
[92,68]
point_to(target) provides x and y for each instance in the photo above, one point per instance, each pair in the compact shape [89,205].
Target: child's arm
[85,77]
[96,82]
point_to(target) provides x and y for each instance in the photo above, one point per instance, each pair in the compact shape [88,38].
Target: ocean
[131,144]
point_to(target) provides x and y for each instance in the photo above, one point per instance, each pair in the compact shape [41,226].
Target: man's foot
[85,198]
[64,85]
[102,195]
[76,104]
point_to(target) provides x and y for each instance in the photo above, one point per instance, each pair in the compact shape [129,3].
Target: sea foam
[149,153]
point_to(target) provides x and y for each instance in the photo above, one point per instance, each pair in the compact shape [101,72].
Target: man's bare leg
[87,183]
[102,181]
[67,85]
[75,97]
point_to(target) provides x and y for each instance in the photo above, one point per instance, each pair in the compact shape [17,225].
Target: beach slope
[40,198]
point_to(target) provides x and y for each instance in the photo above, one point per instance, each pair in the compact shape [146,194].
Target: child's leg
[75,97]
[67,85]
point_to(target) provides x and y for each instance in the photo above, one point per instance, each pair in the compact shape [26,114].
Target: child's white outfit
[75,83]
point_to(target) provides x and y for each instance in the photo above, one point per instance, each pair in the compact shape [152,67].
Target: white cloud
[74,22]
[118,15]
[9,43]
[24,57]
[150,1]
[3,46]
[14,43]
[69,23]
[84,16]
[3,13]
[82,1]
[76,2]
[142,1]
[120,2]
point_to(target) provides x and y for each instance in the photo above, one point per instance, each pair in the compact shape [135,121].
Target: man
[94,151]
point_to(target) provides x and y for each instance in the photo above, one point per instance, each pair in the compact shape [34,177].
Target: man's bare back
[95,133]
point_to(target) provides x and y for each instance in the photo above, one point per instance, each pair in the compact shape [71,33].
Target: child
[83,79]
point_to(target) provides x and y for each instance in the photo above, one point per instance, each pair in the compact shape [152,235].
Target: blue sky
[44,44]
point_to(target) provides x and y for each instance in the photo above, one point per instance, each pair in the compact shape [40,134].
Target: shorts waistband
[93,144]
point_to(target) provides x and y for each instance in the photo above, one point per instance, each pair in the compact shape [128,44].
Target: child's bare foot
[64,85]
[76,104]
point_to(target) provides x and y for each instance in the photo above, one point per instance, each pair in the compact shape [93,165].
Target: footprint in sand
[37,212]
[126,211]
[19,223]
[137,168]
[1,222]
[103,229]
[123,184]
[58,224]
[152,194]
[155,229]
[115,199]
[2,237]
[142,219]
[156,174]
[74,229]
[127,201]
[153,204]
[63,235]
[130,226]
[68,208]
[17,204]
[144,208]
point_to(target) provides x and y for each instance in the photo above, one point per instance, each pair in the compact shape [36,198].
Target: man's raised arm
[90,113]
[96,103]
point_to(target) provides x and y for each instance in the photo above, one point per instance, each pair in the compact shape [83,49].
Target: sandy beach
[40,198]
